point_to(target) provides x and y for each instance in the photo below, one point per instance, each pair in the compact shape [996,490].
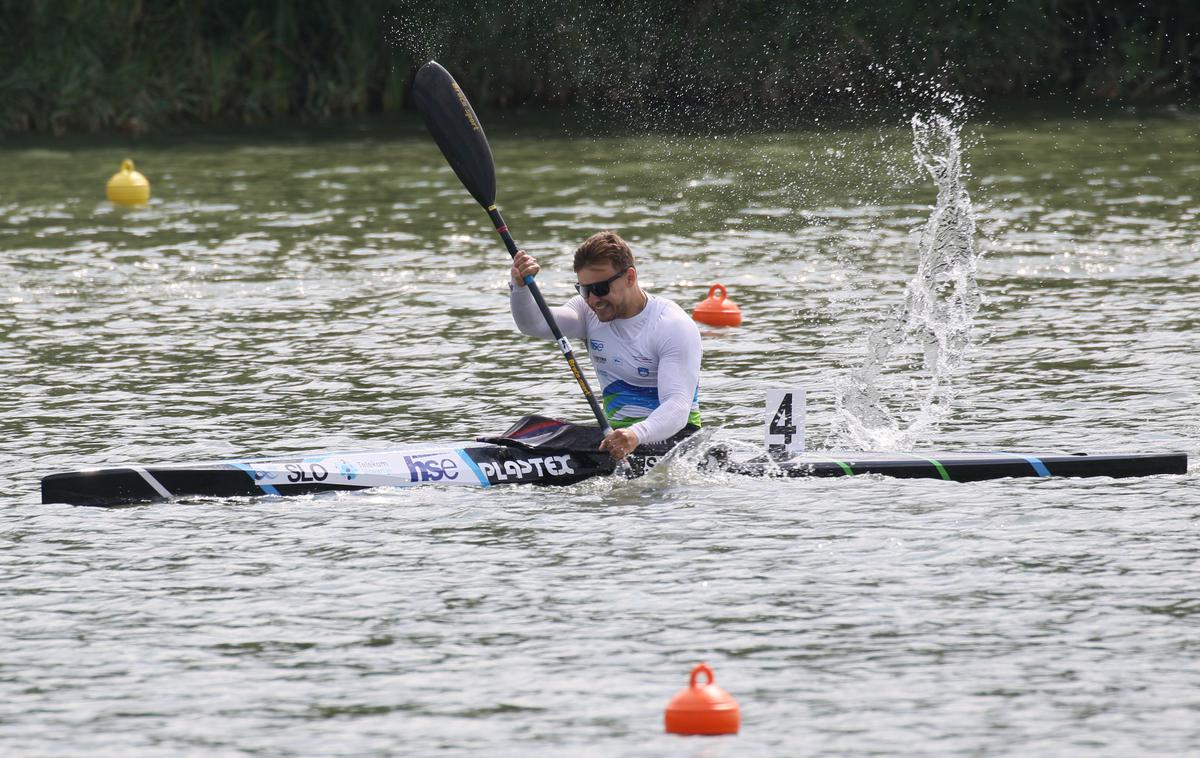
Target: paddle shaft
[563,343]
[455,127]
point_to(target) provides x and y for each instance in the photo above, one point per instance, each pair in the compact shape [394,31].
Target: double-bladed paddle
[457,131]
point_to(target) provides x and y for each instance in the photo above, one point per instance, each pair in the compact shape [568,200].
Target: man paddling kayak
[645,348]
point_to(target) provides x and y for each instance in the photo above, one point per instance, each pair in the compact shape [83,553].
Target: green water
[286,292]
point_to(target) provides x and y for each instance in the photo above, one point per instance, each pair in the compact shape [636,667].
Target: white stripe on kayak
[152,481]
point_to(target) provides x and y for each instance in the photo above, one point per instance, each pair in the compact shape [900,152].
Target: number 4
[783,429]
[782,422]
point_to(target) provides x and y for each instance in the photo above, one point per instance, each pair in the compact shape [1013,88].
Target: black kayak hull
[486,465]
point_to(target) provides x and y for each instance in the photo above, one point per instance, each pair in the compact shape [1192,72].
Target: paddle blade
[457,131]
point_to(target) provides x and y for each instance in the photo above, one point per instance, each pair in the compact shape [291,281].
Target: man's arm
[678,380]
[528,317]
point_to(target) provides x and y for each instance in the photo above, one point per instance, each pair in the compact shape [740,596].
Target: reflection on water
[282,294]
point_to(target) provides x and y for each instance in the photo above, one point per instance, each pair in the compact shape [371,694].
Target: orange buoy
[706,709]
[718,309]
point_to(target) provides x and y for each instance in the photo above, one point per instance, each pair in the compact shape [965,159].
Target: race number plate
[783,428]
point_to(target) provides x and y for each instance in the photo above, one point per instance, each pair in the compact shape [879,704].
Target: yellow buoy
[128,186]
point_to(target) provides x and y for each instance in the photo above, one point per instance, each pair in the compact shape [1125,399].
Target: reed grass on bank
[98,65]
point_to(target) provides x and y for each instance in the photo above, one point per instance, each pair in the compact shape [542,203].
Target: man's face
[622,290]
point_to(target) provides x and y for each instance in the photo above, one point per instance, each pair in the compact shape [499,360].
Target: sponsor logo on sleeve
[597,345]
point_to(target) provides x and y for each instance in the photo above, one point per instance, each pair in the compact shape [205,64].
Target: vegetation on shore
[97,65]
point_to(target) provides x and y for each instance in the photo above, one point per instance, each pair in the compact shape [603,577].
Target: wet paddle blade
[456,129]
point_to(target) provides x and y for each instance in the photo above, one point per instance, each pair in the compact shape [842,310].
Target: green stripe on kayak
[845,467]
[813,460]
[936,464]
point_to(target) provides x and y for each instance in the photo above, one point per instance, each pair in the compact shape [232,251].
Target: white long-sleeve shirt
[648,365]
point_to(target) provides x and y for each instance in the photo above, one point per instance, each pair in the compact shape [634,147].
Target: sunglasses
[599,289]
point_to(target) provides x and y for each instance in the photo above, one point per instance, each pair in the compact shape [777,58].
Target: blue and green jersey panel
[626,404]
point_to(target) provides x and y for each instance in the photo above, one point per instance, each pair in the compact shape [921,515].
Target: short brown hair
[604,247]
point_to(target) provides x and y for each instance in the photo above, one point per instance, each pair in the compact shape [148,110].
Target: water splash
[904,389]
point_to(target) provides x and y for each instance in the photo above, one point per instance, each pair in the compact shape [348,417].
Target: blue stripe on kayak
[1037,464]
[267,488]
[483,480]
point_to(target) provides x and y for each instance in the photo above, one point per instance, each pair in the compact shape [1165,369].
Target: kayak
[543,451]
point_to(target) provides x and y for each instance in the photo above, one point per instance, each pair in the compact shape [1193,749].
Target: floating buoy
[128,186]
[702,709]
[718,309]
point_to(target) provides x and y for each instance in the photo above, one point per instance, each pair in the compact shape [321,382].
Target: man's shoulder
[672,310]
[667,308]
[673,321]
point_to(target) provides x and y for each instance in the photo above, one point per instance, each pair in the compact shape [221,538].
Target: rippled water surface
[287,293]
